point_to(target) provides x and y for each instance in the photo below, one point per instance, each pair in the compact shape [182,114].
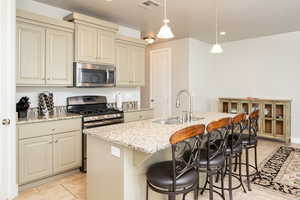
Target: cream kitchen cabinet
[59,57]
[67,151]
[85,44]
[94,39]
[35,158]
[130,61]
[44,49]
[30,54]
[138,115]
[48,148]
[124,70]
[138,65]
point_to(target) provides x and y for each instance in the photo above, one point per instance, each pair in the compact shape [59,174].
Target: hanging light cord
[216,22]
[166,20]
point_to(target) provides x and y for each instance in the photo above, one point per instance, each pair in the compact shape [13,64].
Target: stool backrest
[217,137]
[238,127]
[182,141]
[253,123]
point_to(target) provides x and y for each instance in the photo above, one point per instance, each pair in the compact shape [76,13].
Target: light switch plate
[115,151]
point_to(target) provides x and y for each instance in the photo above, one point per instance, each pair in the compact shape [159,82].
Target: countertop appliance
[95,112]
[93,75]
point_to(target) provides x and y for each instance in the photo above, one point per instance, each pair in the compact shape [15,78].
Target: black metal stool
[249,141]
[179,175]
[212,159]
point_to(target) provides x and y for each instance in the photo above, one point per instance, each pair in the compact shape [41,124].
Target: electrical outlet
[115,151]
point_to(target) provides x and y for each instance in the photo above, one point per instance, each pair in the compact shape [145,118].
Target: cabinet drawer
[48,128]
[139,115]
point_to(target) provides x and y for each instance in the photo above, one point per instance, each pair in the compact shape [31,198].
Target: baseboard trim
[295,140]
[46,180]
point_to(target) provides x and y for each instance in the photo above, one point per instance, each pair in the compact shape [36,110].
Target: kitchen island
[119,156]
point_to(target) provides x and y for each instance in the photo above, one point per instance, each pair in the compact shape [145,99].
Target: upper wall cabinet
[44,49]
[130,61]
[94,39]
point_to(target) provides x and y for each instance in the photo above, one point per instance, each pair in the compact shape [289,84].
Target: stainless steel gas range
[95,112]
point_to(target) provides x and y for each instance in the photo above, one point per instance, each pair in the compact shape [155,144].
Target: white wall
[200,65]
[265,67]
[60,94]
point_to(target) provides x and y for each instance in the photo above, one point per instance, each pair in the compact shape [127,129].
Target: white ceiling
[241,19]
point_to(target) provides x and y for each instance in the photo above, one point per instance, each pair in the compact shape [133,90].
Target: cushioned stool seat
[161,175]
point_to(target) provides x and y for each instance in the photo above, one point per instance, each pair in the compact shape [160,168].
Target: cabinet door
[59,57]
[86,43]
[106,47]
[30,49]
[67,151]
[138,65]
[35,158]
[124,70]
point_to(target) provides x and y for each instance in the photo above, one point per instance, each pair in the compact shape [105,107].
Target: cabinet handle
[53,129]
[56,141]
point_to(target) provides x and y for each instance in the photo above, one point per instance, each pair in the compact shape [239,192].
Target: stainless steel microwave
[94,75]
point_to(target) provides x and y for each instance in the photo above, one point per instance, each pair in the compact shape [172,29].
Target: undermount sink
[175,120]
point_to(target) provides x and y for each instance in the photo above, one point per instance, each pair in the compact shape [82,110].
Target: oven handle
[107,76]
[107,122]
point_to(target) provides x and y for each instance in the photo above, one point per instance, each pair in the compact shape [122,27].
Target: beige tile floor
[73,187]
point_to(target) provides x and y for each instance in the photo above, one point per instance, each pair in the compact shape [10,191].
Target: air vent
[149,4]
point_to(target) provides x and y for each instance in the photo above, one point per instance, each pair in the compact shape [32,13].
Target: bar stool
[249,141]
[211,159]
[177,176]
[234,150]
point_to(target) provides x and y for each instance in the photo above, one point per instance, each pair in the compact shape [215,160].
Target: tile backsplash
[60,94]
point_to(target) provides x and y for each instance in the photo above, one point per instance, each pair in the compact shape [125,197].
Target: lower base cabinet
[138,115]
[67,151]
[47,153]
[35,158]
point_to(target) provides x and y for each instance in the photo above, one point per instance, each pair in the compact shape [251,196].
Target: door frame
[169,50]
[8,141]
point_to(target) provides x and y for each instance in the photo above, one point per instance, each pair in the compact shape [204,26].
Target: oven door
[91,75]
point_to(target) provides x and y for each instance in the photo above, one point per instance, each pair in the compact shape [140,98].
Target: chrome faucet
[181,92]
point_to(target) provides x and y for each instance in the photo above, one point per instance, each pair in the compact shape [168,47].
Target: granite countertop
[137,110]
[50,118]
[146,136]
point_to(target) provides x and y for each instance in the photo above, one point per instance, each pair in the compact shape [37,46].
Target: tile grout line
[75,196]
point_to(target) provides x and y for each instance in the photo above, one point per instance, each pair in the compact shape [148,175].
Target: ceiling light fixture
[165,31]
[149,39]
[216,49]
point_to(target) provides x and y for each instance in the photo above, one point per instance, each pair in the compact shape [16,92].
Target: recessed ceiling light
[222,33]
[149,39]
[108,0]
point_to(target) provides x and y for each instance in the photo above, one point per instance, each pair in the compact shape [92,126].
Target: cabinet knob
[56,141]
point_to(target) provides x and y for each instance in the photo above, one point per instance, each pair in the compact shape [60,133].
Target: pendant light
[165,31]
[216,49]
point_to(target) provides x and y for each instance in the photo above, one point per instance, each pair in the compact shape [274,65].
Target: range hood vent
[150,4]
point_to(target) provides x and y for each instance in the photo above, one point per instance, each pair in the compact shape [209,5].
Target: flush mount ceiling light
[216,49]
[165,31]
[149,39]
